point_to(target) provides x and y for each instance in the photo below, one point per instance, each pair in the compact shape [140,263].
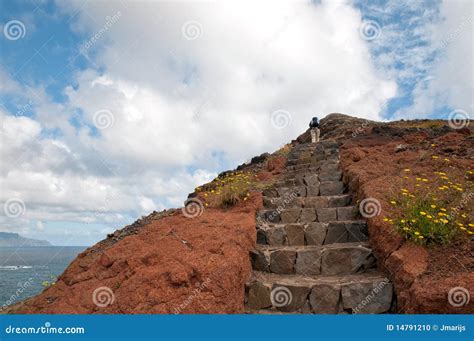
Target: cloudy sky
[110,110]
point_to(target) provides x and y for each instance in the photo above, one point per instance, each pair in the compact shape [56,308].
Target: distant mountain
[14,239]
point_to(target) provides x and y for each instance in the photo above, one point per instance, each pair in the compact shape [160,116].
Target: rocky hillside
[412,180]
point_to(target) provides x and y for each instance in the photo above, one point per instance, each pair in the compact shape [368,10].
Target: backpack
[314,123]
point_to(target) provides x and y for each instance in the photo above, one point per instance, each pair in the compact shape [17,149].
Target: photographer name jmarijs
[450,328]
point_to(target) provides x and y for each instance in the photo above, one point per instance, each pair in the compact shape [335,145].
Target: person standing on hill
[315,132]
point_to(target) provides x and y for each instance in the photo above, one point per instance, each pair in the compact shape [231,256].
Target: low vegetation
[228,189]
[434,208]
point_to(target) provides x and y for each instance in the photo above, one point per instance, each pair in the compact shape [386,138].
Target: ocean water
[26,271]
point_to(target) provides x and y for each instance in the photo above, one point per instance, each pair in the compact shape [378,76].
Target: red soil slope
[173,264]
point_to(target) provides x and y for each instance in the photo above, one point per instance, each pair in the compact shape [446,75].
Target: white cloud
[453,73]
[427,48]
[184,108]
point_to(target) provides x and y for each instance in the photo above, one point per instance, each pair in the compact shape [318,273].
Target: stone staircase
[312,253]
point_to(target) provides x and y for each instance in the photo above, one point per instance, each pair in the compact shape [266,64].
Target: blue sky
[111,110]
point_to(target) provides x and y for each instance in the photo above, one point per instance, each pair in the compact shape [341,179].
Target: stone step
[325,173]
[309,179]
[293,201]
[326,188]
[309,214]
[369,293]
[322,145]
[309,153]
[312,233]
[311,156]
[327,165]
[332,259]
